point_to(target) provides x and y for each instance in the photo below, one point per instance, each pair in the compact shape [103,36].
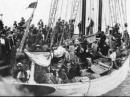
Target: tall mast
[100,16]
[83,16]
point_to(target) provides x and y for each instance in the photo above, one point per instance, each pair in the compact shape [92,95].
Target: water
[122,90]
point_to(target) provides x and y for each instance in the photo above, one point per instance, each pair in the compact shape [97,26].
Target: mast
[83,16]
[100,16]
[28,22]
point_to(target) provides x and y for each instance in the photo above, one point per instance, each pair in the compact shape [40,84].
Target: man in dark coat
[126,37]
[4,56]
[117,35]
[1,25]
[80,28]
[90,27]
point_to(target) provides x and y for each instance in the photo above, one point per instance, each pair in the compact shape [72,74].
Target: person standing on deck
[4,56]
[80,28]
[44,32]
[66,36]
[117,35]
[126,37]
[40,24]
[15,25]
[12,45]
[1,25]
[90,27]
[62,31]
[71,28]
[57,31]
[21,24]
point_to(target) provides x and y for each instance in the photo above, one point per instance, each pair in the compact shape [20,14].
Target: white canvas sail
[39,58]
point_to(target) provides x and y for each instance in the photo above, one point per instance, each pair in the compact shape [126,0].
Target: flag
[33,5]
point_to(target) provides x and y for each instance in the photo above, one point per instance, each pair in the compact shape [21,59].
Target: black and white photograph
[65,48]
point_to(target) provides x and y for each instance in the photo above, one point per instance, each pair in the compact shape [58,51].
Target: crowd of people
[39,38]
[70,58]
[110,45]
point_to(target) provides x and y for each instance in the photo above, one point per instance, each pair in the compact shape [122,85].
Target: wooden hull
[94,87]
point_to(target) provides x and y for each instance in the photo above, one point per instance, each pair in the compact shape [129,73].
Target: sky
[15,9]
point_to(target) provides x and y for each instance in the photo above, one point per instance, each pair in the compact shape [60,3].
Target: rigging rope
[50,11]
[126,9]
[80,10]
[123,10]
[116,8]
[119,11]
[105,16]
[61,7]
[112,20]
[72,9]
[121,21]
[90,8]
[53,12]
[113,11]
[67,4]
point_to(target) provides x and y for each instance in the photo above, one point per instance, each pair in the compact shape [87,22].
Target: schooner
[104,13]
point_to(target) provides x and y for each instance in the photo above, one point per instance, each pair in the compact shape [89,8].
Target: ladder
[75,9]
[52,14]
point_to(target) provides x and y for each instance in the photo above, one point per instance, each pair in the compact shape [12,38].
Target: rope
[121,21]
[116,10]
[119,9]
[105,15]
[110,12]
[72,9]
[113,10]
[61,7]
[90,8]
[123,10]
[50,13]
[67,4]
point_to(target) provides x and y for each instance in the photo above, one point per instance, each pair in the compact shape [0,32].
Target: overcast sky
[15,9]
